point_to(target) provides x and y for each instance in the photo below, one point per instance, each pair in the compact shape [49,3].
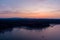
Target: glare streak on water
[50,33]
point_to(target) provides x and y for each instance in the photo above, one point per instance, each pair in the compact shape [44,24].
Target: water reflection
[26,32]
[45,32]
[4,28]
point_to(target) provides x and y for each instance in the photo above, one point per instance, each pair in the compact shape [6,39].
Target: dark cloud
[10,12]
[5,12]
[42,0]
[56,11]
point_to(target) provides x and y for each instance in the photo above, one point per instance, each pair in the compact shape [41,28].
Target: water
[48,33]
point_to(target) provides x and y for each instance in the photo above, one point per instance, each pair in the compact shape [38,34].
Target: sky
[29,8]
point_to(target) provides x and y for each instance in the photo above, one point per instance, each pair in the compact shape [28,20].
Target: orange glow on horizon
[30,15]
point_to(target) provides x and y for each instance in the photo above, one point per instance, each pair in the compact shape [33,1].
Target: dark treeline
[27,22]
[10,23]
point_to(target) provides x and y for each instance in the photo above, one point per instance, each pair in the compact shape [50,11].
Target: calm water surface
[50,33]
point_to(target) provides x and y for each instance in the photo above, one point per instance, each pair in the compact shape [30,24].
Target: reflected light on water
[50,33]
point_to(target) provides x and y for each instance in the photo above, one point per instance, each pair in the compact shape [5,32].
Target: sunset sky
[29,8]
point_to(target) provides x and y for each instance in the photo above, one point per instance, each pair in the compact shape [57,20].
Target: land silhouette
[7,24]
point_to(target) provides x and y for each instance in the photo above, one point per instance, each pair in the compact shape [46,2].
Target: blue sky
[30,5]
